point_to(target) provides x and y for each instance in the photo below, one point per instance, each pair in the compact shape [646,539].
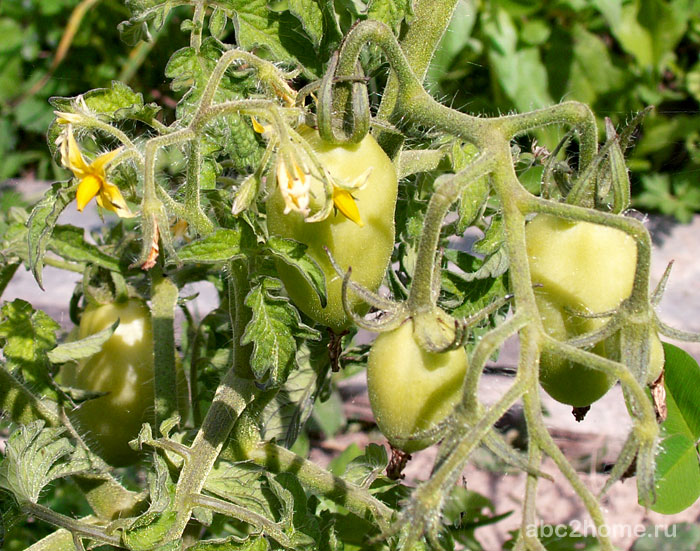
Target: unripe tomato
[124,370]
[367,249]
[411,390]
[586,268]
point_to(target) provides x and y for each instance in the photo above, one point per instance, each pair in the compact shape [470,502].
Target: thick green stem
[431,19]
[232,396]
[164,295]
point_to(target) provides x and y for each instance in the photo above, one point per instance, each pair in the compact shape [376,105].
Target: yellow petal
[111,198]
[100,162]
[89,187]
[67,118]
[71,157]
[259,128]
[346,204]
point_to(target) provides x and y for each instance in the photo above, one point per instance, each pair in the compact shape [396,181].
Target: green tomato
[367,249]
[412,390]
[587,268]
[124,370]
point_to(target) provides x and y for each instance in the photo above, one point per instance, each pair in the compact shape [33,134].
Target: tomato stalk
[232,396]
[164,295]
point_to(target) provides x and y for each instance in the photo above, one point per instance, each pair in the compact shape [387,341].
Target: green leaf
[28,335]
[272,331]
[365,469]
[280,34]
[217,23]
[35,456]
[285,415]
[232,543]
[242,484]
[83,348]
[148,530]
[119,102]
[42,221]
[519,71]
[650,30]
[309,13]
[220,246]
[69,243]
[677,469]
[294,254]
[669,538]
[391,12]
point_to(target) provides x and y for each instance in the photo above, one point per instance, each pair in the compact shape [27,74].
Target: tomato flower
[295,185]
[92,177]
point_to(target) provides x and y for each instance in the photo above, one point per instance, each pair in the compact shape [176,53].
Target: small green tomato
[124,370]
[411,390]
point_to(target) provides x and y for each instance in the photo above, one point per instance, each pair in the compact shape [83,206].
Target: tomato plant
[583,268]
[410,389]
[123,369]
[365,248]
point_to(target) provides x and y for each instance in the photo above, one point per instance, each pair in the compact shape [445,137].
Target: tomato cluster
[583,269]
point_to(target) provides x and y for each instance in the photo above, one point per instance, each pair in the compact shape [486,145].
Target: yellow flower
[92,177]
[345,203]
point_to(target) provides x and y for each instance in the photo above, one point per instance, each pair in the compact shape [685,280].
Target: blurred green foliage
[498,56]
[617,56]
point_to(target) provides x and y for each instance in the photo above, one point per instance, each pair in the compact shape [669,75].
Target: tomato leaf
[279,33]
[391,12]
[309,13]
[272,331]
[35,456]
[294,253]
[42,221]
[28,335]
[286,414]
[677,469]
[69,243]
[83,348]
[221,246]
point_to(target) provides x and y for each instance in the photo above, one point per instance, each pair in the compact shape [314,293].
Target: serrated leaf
[220,246]
[280,34]
[285,415]
[309,13]
[28,334]
[471,203]
[493,238]
[83,348]
[294,254]
[391,12]
[365,469]
[272,331]
[217,23]
[242,484]
[35,456]
[148,530]
[42,221]
[69,243]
